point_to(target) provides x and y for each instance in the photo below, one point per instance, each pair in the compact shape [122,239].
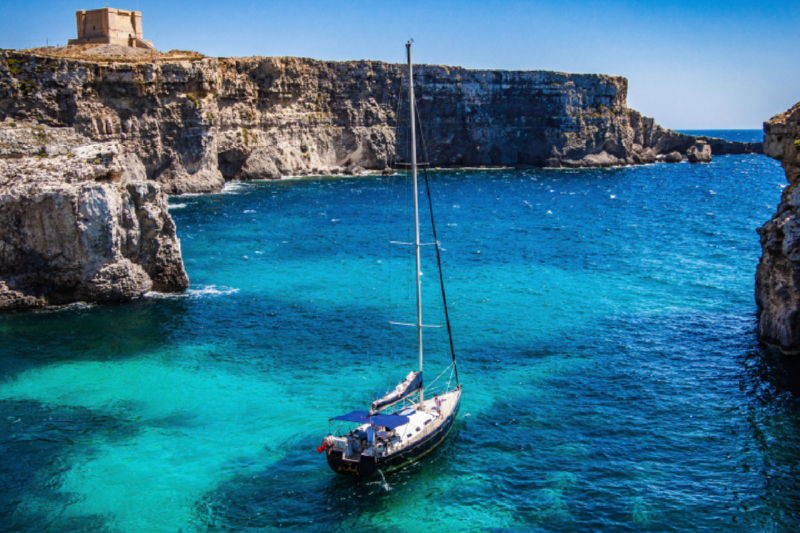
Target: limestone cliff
[778,273]
[88,145]
[79,221]
[195,123]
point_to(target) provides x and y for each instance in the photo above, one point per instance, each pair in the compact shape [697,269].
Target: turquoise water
[604,321]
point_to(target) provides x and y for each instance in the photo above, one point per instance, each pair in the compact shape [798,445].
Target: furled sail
[412,382]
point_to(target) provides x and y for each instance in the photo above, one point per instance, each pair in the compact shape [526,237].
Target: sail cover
[363,417]
[412,382]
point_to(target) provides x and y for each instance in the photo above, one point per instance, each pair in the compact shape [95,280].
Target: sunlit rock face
[79,221]
[194,124]
[778,274]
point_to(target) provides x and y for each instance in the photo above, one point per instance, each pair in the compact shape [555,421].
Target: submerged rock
[83,226]
[778,272]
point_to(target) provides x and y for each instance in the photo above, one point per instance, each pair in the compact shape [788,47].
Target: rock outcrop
[196,123]
[672,157]
[79,221]
[778,273]
[700,152]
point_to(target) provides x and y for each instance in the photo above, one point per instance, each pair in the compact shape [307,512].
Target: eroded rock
[673,157]
[778,272]
[194,124]
[83,226]
[699,153]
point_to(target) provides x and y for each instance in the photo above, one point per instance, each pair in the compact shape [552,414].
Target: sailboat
[402,426]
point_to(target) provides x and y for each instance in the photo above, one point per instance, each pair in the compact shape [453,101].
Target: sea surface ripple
[606,332]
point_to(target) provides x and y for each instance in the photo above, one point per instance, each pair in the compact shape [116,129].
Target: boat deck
[421,423]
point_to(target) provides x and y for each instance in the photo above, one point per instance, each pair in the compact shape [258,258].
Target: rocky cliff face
[197,123]
[778,273]
[88,146]
[79,221]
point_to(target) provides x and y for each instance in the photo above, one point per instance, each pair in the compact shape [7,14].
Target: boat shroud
[387,441]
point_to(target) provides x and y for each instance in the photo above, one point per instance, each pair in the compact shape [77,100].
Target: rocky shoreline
[79,221]
[778,272]
[89,148]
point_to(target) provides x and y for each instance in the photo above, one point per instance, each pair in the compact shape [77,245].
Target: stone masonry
[110,26]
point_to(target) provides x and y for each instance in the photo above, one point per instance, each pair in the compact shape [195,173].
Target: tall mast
[416,213]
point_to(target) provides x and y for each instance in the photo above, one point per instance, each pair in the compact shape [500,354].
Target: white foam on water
[75,306]
[385,485]
[164,295]
[199,292]
[175,206]
[211,290]
[189,194]
[234,187]
[248,211]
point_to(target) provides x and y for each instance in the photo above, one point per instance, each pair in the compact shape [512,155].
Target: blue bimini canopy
[363,417]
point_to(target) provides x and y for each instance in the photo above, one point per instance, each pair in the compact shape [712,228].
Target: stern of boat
[363,466]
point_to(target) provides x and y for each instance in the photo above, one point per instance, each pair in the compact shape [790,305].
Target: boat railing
[413,399]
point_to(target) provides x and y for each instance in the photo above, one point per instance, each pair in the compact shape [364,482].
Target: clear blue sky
[700,64]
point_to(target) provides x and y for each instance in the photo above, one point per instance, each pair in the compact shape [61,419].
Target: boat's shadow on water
[299,491]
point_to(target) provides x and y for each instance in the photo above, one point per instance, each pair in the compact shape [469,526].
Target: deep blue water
[730,135]
[605,326]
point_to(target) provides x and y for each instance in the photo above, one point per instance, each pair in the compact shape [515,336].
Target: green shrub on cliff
[13,66]
[196,101]
[27,87]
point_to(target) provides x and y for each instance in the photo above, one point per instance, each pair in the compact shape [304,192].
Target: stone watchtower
[110,26]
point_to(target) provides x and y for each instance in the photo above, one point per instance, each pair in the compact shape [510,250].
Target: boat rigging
[397,430]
